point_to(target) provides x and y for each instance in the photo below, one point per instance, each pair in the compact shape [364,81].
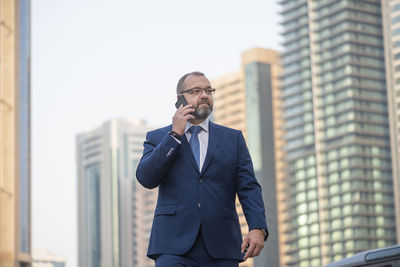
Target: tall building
[391,32]
[44,258]
[15,174]
[337,190]
[114,212]
[247,100]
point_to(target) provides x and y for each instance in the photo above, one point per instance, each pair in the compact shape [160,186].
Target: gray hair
[181,81]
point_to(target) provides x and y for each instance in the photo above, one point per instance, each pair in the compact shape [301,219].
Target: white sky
[97,60]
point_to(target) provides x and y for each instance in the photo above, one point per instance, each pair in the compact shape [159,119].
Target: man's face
[203,102]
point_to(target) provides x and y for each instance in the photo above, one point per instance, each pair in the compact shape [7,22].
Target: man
[199,168]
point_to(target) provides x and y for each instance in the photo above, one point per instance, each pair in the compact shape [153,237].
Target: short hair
[181,81]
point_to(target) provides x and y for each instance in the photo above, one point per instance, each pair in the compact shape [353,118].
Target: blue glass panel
[24,127]
[93,245]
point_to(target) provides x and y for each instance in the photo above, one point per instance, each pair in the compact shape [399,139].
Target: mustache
[203,102]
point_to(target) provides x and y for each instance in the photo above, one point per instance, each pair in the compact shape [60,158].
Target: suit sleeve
[156,160]
[248,189]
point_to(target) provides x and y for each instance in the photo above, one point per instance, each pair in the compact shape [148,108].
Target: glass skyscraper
[114,212]
[391,25]
[337,189]
[44,258]
[247,100]
[15,175]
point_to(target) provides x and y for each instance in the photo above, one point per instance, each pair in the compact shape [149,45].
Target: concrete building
[114,212]
[15,169]
[44,258]
[391,32]
[247,100]
[338,188]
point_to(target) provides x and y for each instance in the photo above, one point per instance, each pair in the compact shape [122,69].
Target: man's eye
[196,91]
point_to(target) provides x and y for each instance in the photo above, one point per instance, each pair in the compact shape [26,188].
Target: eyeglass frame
[190,91]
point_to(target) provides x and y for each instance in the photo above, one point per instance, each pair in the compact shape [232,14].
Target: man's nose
[203,94]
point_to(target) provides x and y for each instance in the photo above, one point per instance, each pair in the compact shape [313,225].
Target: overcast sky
[93,61]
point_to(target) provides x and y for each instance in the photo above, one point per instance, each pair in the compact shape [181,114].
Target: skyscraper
[114,212]
[15,175]
[391,32]
[44,258]
[247,100]
[337,188]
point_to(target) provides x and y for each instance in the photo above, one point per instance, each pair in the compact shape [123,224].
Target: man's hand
[254,242]
[180,118]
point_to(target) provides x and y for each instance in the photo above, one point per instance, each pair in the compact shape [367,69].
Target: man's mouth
[203,104]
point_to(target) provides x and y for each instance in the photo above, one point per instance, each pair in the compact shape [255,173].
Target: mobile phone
[181,101]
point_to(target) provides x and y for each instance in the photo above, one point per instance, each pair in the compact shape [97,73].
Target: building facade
[391,32]
[15,174]
[247,100]
[337,189]
[114,212]
[44,258]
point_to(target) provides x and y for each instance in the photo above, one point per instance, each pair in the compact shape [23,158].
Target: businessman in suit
[199,167]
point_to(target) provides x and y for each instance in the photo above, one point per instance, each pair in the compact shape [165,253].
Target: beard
[202,112]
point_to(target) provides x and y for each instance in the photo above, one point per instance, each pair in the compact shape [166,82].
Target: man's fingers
[249,252]
[257,250]
[179,108]
[254,248]
[182,107]
[186,107]
[189,116]
[244,244]
[183,110]
[186,111]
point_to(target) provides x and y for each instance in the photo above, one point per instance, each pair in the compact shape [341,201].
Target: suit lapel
[213,140]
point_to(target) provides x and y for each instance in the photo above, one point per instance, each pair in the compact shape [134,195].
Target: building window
[395,19]
[314,240]
[337,235]
[395,8]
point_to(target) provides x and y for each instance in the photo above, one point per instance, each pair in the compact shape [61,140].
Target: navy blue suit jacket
[188,198]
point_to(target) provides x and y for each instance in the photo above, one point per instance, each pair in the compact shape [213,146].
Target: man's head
[197,91]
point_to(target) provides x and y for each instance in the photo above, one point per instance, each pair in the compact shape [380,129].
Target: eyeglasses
[198,91]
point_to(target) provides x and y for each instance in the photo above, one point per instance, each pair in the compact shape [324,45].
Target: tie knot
[194,130]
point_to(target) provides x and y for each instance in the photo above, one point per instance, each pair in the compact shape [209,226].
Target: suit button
[198,205]
[201,180]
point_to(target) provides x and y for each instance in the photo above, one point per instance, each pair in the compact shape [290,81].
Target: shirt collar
[204,125]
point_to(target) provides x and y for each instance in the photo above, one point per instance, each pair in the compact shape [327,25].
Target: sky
[93,61]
